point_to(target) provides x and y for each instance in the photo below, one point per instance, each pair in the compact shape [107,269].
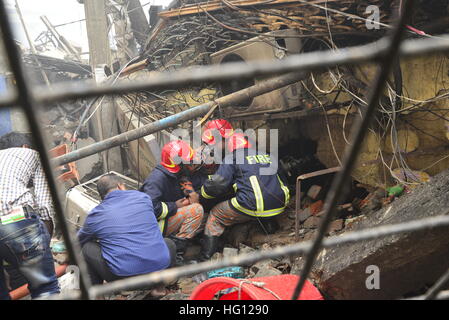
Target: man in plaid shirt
[25,205]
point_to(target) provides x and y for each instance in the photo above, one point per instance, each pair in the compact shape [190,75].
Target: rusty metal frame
[381,52]
[298,192]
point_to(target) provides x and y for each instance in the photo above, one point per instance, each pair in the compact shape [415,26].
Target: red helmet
[173,149]
[224,128]
[238,141]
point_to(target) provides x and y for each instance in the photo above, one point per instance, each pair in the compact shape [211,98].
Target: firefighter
[257,195]
[213,130]
[215,134]
[223,127]
[179,213]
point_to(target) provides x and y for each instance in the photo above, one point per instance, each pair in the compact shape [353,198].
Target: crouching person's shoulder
[139,195]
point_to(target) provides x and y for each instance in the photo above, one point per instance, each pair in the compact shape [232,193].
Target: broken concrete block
[217,256]
[304,214]
[405,262]
[316,207]
[176,296]
[264,264]
[314,192]
[310,235]
[267,272]
[230,252]
[306,201]
[244,249]
[312,222]
[336,225]
[187,285]
[284,265]
[350,221]
[265,246]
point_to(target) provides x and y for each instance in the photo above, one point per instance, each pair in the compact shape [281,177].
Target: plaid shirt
[23,182]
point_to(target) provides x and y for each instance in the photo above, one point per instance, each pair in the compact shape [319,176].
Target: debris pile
[408,263]
[182,289]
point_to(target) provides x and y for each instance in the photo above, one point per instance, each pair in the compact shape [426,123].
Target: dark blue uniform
[259,191]
[164,189]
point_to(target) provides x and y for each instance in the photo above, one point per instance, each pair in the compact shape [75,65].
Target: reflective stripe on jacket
[164,189]
[257,194]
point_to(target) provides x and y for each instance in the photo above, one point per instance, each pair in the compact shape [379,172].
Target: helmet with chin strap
[176,149]
[222,126]
[238,141]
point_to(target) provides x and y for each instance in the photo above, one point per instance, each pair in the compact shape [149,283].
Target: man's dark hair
[16,140]
[107,183]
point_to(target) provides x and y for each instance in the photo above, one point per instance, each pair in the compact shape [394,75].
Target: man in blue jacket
[121,237]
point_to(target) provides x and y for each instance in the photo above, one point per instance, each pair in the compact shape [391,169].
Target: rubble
[407,262]
[336,225]
[267,272]
[230,252]
[312,222]
[304,214]
[186,285]
[176,296]
[314,192]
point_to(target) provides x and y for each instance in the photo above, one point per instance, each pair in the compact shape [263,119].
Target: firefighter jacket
[259,189]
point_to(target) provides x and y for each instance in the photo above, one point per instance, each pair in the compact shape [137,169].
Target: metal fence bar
[443,295]
[168,275]
[26,101]
[180,117]
[306,61]
[437,287]
[8,100]
[358,134]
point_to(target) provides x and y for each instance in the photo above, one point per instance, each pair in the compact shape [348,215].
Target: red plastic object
[282,286]
[72,173]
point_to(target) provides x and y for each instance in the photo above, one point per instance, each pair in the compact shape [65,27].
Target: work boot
[209,246]
[181,246]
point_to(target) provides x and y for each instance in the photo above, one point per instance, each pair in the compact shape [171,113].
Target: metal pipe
[189,114]
[68,48]
[31,44]
[26,100]
[358,134]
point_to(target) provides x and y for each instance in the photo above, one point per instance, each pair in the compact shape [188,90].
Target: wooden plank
[217,5]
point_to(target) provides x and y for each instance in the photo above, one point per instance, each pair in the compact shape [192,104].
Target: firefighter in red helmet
[260,193]
[223,127]
[214,135]
[179,213]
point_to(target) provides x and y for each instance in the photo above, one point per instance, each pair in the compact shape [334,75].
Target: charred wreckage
[364,149]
